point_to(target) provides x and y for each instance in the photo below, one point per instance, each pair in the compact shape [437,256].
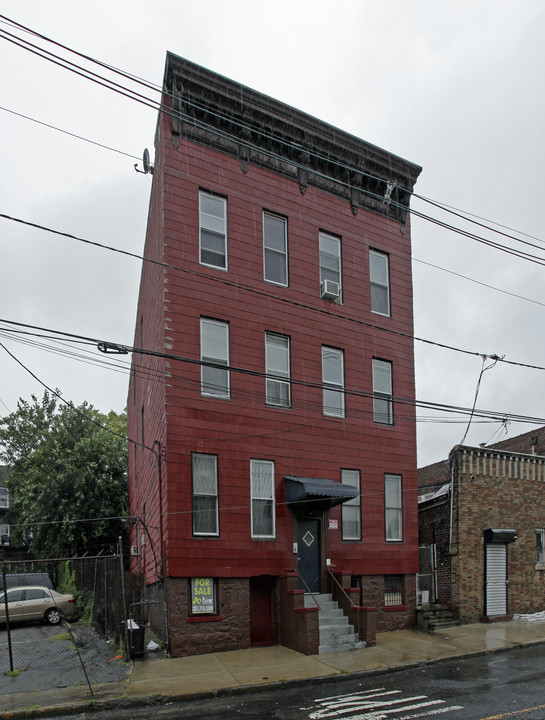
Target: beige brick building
[484,519]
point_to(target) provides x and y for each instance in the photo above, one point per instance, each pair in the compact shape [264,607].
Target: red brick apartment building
[274,399]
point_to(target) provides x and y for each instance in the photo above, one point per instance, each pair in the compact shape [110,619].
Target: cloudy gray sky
[456,87]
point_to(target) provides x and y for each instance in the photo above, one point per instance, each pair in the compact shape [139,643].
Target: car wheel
[53,616]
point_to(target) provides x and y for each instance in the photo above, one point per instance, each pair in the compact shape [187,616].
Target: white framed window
[5,534]
[215,380]
[540,547]
[330,259]
[275,249]
[205,494]
[333,381]
[351,509]
[379,277]
[277,368]
[262,490]
[383,410]
[4,498]
[213,230]
[393,507]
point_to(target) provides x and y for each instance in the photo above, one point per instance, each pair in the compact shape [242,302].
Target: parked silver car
[36,603]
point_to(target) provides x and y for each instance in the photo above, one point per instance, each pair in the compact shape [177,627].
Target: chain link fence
[64,622]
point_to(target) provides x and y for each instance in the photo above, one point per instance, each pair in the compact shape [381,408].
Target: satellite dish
[146,160]
[148,167]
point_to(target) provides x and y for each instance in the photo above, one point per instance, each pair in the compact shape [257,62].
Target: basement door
[496,579]
[308,548]
[261,611]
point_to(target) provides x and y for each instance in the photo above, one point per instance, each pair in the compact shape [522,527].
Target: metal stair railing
[354,607]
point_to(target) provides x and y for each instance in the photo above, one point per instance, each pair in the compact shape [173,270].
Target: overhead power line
[157,105]
[400,401]
[256,291]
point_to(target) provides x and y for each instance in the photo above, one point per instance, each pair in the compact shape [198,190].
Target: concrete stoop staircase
[336,634]
[435,617]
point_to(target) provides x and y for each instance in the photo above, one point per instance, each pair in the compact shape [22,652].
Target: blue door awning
[319,492]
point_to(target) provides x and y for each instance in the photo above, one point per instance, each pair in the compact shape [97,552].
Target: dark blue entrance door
[308,546]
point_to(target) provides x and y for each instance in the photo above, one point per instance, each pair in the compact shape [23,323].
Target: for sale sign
[203,598]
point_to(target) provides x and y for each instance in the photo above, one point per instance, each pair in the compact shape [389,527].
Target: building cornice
[219,113]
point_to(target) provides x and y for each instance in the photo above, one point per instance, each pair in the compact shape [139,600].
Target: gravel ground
[44,657]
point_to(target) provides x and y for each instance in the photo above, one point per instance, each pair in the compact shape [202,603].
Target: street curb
[160,700]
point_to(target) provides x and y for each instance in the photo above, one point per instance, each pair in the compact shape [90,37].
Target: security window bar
[379,277]
[351,509]
[540,547]
[275,249]
[393,590]
[205,494]
[333,382]
[262,489]
[215,381]
[277,360]
[393,508]
[383,409]
[213,230]
[330,259]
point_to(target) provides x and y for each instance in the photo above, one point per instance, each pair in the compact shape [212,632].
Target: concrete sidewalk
[175,678]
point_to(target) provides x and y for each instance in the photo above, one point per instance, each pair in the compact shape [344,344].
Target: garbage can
[136,640]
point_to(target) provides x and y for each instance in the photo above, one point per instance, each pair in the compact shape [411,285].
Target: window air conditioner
[134,549]
[330,290]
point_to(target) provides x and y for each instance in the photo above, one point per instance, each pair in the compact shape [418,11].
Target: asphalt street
[508,684]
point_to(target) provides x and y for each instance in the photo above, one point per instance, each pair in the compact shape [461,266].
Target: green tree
[68,478]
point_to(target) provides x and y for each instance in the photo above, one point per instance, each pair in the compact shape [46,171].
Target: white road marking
[377,704]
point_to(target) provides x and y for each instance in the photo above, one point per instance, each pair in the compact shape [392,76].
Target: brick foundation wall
[391,618]
[298,626]
[197,635]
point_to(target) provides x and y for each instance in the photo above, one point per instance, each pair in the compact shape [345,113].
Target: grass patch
[60,636]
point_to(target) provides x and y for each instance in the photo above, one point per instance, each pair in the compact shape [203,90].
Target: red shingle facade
[253,205]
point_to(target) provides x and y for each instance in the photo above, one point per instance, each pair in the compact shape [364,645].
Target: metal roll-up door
[496,579]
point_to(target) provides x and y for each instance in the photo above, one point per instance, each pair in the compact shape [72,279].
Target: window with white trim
[333,381]
[275,249]
[330,259]
[213,230]
[262,489]
[5,533]
[393,508]
[277,368]
[215,380]
[4,498]
[205,494]
[540,547]
[383,410]
[379,277]
[351,509]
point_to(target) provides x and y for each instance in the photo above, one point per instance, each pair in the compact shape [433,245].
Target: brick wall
[434,526]
[228,630]
[390,618]
[497,490]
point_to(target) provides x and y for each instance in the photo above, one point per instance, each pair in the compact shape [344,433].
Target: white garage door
[496,579]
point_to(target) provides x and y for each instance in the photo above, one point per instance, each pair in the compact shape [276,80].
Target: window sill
[204,618]
[395,608]
[539,566]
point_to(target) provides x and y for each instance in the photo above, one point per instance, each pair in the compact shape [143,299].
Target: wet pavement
[170,679]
